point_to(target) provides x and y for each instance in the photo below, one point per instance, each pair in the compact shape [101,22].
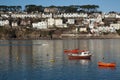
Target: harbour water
[45,59]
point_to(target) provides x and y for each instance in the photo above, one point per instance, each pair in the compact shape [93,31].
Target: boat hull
[104,67]
[79,57]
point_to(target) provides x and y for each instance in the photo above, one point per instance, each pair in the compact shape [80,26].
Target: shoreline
[67,37]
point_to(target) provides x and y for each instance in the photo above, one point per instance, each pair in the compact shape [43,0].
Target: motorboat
[80,55]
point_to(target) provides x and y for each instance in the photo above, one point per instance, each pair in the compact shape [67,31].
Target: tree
[10,8]
[18,8]
[3,8]
[89,8]
[67,9]
[33,8]
[71,9]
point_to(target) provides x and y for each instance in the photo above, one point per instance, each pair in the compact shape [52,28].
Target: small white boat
[81,55]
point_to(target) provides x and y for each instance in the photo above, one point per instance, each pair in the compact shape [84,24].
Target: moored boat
[73,51]
[106,64]
[81,55]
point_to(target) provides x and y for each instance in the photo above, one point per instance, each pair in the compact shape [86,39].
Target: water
[45,60]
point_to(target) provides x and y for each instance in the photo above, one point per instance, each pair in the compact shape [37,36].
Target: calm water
[31,60]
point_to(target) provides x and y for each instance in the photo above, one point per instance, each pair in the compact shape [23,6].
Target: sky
[104,5]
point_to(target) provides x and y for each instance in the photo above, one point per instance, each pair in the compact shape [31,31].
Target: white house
[50,22]
[71,21]
[4,22]
[111,15]
[74,15]
[65,25]
[106,29]
[14,24]
[83,29]
[46,15]
[99,18]
[4,15]
[59,23]
[116,26]
[40,25]
[24,15]
[117,16]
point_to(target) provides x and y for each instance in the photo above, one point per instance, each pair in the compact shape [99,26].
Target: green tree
[10,8]
[89,8]
[33,8]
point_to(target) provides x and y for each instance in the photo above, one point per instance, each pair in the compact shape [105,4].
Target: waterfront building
[116,26]
[58,15]
[4,15]
[83,29]
[14,24]
[24,16]
[110,15]
[50,22]
[99,18]
[59,23]
[117,16]
[4,22]
[71,21]
[74,15]
[40,25]
[46,15]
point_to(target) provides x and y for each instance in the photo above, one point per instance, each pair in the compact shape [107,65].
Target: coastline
[68,37]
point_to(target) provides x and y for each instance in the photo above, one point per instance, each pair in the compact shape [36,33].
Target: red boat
[73,51]
[81,55]
[106,64]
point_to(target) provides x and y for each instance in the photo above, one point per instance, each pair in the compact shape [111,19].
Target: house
[116,26]
[110,15]
[14,24]
[117,16]
[4,22]
[50,22]
[71,21]
[25,22]
[59,23]
[40,25]
[83,29]
[51,10]
[25,15]
[99,18]
[46,15]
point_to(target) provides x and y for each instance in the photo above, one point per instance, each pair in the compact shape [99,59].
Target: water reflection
[16,60]
[82,61]
[45,59]
[103,67]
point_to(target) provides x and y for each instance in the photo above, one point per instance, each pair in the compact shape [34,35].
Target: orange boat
[73,51]
[106,64]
